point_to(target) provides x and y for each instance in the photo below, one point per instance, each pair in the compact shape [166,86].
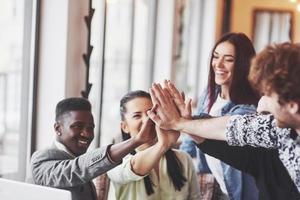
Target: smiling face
[223,63]
[135,115]
[75,130]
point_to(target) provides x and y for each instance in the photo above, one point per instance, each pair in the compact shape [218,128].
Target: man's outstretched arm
[167,116]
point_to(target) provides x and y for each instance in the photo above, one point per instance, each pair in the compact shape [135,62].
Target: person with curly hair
[275,163]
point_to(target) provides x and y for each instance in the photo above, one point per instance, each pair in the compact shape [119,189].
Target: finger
[159,85]
[172,87]
[154,109]
[158,91]
[183,96]
[176,94]
[147,124]
[147,128]
[167,93]
[169,97]
[179,101]
[154,99]
[189,106]
[165,83]
[177,97]
[166,88]
[155,118]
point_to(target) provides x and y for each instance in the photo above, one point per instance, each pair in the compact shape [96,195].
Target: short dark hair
[277,69]
[240,90]
[71,104]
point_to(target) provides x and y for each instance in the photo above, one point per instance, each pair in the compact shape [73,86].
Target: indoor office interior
[101,49]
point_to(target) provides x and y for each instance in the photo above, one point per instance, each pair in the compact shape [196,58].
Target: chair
[102,183]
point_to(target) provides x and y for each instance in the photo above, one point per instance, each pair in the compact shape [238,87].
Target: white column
[63,37]
[164,40]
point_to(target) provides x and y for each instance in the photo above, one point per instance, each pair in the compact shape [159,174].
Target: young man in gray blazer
[66,164]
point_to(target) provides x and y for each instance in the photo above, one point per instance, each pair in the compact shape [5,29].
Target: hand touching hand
[185,108]
[147,132]
[165,113]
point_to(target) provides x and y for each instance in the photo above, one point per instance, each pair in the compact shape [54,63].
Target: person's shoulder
[241,109]
[46,153]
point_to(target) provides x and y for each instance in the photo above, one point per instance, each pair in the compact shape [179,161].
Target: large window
[194,35]
[271,26]
[138,42]
[126,46]
[15,23]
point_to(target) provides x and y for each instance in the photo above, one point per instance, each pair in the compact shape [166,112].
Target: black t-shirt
[272,178]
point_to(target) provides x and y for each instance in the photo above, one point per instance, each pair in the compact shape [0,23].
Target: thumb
[154,117]
[189,105]
[183,95]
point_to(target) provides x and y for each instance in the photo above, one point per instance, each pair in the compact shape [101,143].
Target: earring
[59,133]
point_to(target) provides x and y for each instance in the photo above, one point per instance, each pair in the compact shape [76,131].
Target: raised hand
[165,113]
[153,154]
[147,132]
[185,108]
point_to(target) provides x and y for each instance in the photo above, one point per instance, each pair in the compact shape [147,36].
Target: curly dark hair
[277,69]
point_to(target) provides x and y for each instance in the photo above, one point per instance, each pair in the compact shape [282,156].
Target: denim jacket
[239,185]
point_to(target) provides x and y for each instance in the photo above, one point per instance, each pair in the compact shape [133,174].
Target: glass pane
[11,40]
[186,45]
[128,46]
[271,27]
[118,45]
[143,43]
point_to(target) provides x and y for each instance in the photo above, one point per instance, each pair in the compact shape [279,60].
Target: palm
[179,100]
[147,132]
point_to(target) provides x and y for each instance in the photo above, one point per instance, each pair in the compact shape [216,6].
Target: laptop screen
[15,190]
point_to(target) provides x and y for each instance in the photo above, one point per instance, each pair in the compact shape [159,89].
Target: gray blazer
[56,168]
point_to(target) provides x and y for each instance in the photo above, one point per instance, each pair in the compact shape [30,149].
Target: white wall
[207,42]
[63,41]
[164,39]
[61,68]
[52,66]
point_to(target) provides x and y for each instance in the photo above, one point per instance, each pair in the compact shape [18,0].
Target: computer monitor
[15,190]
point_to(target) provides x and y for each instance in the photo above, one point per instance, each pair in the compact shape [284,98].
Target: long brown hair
[240,91]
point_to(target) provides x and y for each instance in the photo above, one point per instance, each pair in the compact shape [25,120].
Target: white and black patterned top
[261,131]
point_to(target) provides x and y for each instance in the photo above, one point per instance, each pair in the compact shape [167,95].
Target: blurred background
[52,49]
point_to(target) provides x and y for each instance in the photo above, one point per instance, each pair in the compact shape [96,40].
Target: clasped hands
[169,108]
